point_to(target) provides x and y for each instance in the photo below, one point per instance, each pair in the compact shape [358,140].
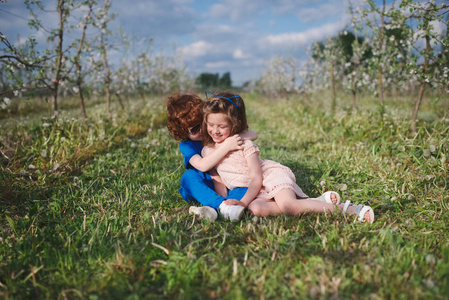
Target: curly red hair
[183,112]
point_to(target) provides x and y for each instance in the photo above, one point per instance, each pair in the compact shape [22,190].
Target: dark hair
[183,111]
[236,116]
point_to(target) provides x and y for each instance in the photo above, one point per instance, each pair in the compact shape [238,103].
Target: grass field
[93,212]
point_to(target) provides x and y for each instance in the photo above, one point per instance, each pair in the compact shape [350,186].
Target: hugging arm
[249,135]
[206,163]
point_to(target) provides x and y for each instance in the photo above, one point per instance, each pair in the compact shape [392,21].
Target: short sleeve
[250,148]
[188,150]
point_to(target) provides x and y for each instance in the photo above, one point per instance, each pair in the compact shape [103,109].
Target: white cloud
[217,64]
[235,10]
[197,49]
[321,12]
[303,38]
[238,54]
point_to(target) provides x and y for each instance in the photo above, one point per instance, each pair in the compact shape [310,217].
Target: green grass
[92,211]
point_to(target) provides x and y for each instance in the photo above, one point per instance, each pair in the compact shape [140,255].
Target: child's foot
[330,197]
[231,212]
[204,212]
[365,212]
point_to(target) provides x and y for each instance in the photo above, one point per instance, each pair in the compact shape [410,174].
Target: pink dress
[233,170]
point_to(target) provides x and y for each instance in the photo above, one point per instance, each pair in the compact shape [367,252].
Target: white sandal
[326,197]
[360,211]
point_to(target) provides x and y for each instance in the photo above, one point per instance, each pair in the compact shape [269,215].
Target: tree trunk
[354,93]
[381,88]
[79,80]
[120,101]
[58,65]
[423,82]
[418,101]
[107,80]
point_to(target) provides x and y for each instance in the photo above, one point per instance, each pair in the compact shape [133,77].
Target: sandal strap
[345,207]
[358,209]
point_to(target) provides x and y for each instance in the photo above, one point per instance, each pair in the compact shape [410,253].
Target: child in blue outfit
[185,117]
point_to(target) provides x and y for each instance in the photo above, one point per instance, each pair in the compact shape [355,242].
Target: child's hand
[233,202]
[234,142]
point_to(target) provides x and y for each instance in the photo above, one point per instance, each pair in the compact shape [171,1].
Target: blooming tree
[279,77]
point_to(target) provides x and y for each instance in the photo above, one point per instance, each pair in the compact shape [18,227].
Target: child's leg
[195,186]
[264,207]
[288,204]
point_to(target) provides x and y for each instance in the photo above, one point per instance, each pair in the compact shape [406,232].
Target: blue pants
[196,185]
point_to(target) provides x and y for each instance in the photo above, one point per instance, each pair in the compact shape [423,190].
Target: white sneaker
[204,212]
[231,212]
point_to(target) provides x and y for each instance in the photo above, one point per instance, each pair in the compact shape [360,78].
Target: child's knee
[256,209]
[283,208]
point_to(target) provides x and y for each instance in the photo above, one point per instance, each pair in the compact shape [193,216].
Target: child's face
[218,127]
[195,133]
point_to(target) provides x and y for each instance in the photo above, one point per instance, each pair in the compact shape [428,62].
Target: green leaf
[11,223]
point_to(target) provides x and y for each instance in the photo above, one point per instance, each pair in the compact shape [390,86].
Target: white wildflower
[432,148]
[101,137]
[426,153]
[44,153]
[45,125]
[343,187]
[62,139]
[108,155]
[133,145]
[31,167]
[323,182]
[56,166]
[75,89]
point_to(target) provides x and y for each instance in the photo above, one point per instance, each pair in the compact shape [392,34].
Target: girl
[184,118]
[270,184]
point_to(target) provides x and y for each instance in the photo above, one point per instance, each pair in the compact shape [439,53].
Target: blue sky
[238,36]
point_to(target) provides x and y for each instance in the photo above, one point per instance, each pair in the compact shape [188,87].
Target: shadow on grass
[307,173]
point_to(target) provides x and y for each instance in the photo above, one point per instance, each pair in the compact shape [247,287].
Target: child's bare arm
[255,173]
[206,163]
[249,135]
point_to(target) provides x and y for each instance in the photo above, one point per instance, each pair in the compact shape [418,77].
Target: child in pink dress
[272,187]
